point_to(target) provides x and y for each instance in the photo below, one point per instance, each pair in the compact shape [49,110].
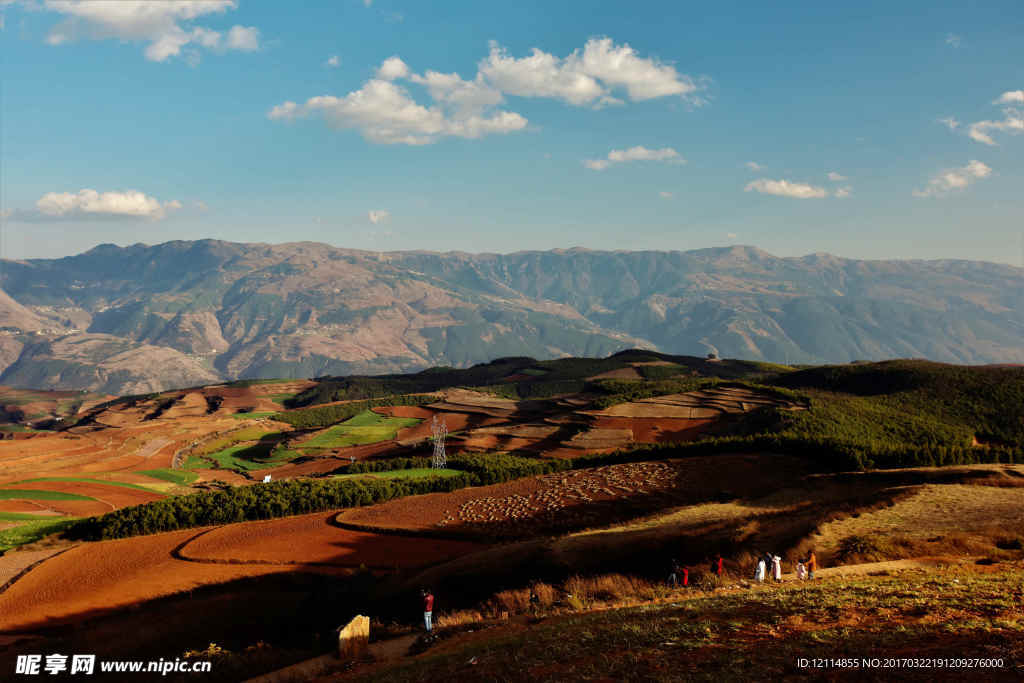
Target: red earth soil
[455,421]
[656,429]
[24,506]
[312,539]
[94,577]
[118,496]
[552,501]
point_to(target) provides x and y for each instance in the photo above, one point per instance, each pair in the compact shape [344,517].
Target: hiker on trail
[812,565]
[777,568]
[428,609]
[760,571]
[673,574]
[801,571]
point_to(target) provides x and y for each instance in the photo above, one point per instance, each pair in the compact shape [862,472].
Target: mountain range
[146,318]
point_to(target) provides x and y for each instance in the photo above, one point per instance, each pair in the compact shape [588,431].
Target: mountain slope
[304,309]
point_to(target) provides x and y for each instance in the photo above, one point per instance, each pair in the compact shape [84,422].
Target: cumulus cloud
[954,179]
[166,27]
[835,177]
[586,77]
[379,216]
[333,61]
[950,122]
[385,111]
[1011,123]
[753,166]
[638,153]
[90,204]
[786,188]
[392,68]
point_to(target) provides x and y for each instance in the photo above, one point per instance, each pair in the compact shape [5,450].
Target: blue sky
[475,127]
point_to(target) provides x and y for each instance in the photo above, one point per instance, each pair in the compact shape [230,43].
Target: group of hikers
[768,565]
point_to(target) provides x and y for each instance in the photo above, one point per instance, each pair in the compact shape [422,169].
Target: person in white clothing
[801,571]
[760,572]
[777,568]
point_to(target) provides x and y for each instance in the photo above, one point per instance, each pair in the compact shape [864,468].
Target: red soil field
[455,421]
[94,577]
[116,496]
[312,539]
[656,429]
[554,502]
[24,506]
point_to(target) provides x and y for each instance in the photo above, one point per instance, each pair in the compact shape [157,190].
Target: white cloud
[753,166]
[165,27]
[379,216]
[367,3]
[950,122]
[587,77]
[731,235]
[87,203]
[638,153]
[392,68]
[385,112]
[835,177]
[1012,123]
[244,38]
[665,195]
[786,188]
[953,39]
[954,179]
[843,192]
[1011,97]
[333,61]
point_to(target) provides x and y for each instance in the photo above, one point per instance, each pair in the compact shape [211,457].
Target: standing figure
[686,577]
[718,568]
[673,574]
[777,568]
[428,610]
[812,565]
[801,571]
[760,571]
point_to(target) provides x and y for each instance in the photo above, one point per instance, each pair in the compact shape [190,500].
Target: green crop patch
[103,482]
[366,427]
[179,477]
[32,531]
[38,494]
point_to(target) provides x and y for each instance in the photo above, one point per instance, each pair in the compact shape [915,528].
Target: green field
[179,477]
[32,494]
[416,473]
[243,456]
[253,416]
[366,427]
[32,531]
[105,482]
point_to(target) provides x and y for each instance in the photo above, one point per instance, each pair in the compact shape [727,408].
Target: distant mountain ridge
[146,318]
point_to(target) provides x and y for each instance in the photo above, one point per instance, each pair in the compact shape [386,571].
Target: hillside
[194,311]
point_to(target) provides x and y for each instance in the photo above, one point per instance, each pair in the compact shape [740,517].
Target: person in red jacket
[686,577]
[718,568]
[428,609]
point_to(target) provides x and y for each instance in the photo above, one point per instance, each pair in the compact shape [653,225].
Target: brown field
[313,540]
[576,498]
[106,575]
[113,496]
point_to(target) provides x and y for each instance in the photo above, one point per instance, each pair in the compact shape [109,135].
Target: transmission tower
[440,431]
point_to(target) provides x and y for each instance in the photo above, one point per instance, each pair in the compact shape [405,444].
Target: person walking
[777,568]
[801,571]
[673,574]
[428,610]
[812,565]
[686,577]
[760,571]
[718,566]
